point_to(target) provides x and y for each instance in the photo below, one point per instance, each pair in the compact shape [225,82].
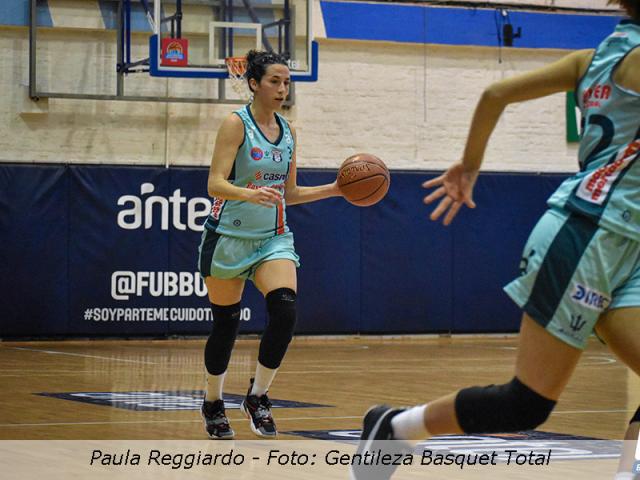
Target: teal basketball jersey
[258,163]
[607,187]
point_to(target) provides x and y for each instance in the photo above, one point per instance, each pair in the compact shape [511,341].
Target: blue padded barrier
[406,263]
[16,13]
[34,252]
[68,233]
[328,239]
[488,243]
[97,247]
[461,26]
[391,22]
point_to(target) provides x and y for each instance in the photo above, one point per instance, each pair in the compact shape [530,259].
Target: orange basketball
[363,179]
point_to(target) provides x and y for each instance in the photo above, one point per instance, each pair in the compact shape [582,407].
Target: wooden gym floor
[345,375]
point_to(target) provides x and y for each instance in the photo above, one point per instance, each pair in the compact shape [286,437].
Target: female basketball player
[252,179]
[583,256]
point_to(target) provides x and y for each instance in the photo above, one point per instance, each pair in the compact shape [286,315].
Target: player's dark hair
[259,61]
[631,6]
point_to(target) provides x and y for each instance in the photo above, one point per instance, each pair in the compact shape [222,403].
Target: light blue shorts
[227,257]
[571,271]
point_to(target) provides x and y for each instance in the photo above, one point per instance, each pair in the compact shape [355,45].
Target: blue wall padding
[488,245]
[382,269]
[139,22]
[395,23]
[327,236]
[406,263]
[16,12]
[461,26]
[98,247]
[34,223]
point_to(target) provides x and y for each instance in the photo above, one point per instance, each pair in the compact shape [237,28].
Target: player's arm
[295,194]
[229,138]
[454,188]
[559,76]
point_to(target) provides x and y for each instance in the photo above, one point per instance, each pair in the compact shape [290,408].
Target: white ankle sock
[409,425]
[262,382]
[214,387]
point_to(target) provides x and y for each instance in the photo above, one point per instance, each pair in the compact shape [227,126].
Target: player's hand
[455,188]
[265,196]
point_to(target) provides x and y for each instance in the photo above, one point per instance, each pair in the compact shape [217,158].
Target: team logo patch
[257,153]
[562,446]
[276,155]
[163,400]
[577,323]
[589,297]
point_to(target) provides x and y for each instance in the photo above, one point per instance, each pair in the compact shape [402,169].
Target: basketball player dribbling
[583,270]
[252,179]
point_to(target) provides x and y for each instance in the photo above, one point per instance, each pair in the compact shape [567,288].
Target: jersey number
[608,130]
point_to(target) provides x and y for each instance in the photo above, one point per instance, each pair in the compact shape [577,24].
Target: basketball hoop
[237,68]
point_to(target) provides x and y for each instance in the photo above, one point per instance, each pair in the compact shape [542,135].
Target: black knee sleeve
[504,408]
[636,416]
[217,351]
[281,305]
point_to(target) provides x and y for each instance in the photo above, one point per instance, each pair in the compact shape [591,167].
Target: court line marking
[571,412]
[347,370]
[280,419]
[163,421]
[84,355]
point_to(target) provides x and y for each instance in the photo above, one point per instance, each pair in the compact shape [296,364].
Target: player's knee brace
[636,416]
[501,408]
[217,351]
[281,305]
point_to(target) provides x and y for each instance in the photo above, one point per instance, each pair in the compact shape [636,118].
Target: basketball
[363,179]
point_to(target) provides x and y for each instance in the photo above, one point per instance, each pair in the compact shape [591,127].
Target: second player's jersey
[607,188]
[258,163]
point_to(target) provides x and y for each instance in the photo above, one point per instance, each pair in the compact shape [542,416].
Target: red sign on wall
[175,52]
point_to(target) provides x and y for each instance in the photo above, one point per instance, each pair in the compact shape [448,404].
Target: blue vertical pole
[127,28]
[230,30]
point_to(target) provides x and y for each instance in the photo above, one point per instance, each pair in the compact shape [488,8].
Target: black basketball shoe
[216,422]
[258,411]
[377,440]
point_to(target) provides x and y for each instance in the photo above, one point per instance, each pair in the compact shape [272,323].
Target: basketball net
[237,68]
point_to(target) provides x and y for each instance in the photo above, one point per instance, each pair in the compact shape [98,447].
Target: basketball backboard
[194,37]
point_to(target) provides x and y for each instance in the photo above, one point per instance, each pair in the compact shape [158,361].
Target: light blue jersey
[607,188]
[258,163]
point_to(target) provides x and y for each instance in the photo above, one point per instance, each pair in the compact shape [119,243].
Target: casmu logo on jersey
[274,177]
[595,186]
[141,211]
[589,297]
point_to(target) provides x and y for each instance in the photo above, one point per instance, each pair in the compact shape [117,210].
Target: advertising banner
[112,251]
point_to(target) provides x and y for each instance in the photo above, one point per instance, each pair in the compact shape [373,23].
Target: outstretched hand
[456,186]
